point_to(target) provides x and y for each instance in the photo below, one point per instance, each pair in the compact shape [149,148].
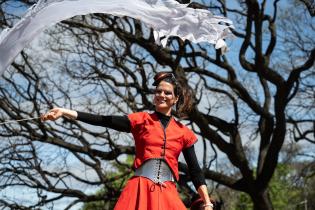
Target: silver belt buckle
[156,170]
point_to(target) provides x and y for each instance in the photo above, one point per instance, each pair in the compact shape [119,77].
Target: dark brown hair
[185,101]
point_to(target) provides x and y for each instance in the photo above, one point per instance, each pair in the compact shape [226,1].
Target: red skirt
[141,193]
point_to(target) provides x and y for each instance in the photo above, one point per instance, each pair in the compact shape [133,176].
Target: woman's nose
[162,94]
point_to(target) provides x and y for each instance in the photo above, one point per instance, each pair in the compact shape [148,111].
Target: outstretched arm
[119,123]
[56,113]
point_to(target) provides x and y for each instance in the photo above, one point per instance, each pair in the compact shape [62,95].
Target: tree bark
[261,200]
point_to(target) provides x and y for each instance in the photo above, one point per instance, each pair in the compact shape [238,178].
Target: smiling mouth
[162,101]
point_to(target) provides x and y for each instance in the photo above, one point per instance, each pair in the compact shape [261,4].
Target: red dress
[153,141]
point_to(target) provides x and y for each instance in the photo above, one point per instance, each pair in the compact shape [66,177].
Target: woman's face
[164,97]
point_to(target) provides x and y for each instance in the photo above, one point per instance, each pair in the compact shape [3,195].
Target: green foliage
[244,202]
[119,169]
[284,193]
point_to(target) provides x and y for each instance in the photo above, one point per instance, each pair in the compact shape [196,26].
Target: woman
[159,139]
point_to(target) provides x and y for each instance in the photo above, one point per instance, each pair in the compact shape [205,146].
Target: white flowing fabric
[166,17]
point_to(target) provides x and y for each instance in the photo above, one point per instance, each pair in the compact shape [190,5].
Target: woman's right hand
[52,114]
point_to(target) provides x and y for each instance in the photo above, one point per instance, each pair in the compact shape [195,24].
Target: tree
[290,187]
[283,193]
[247,102]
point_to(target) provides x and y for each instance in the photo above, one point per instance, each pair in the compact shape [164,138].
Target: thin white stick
[13,121]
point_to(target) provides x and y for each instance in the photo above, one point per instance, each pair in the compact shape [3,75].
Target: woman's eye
[167,93]
[158,91]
